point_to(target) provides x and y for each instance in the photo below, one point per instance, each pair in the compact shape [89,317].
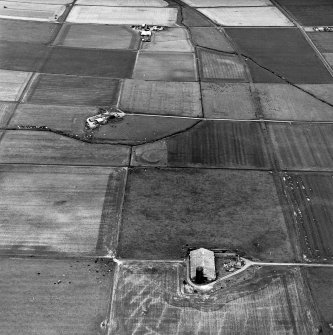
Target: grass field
[301,146]
[36,147]
[136,129]
[148,300]
[283,50]
[73,90]
[210,37]
[124,3]
[310,198]
[106,63]
[6,111]
[227,3]
[247,16]
[65,118]
[47,2]
[58,210]
[152,154]
[166,66]
[157,97]
[322,91]
[192,18]
[311,15]
[219,144]
[123,15]
[27,31]
[171,209]
[215,66]
[133,129]
[228,100]
[21,56]
[170,40]
[51,297]
[32,10]
[12,84]
[322,40]
[98,37]
[283,102]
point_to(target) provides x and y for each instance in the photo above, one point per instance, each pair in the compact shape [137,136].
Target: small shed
[202,266]
[146,33]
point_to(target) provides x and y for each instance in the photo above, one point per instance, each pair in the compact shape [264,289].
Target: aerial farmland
[166,167]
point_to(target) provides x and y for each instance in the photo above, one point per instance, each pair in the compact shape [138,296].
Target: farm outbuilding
[202,265]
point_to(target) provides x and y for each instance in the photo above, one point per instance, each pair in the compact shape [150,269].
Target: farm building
[202,266]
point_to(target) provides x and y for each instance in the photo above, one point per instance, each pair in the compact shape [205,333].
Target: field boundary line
[115,237]
[112,296]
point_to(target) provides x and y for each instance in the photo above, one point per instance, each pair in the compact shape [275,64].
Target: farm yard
[135,133]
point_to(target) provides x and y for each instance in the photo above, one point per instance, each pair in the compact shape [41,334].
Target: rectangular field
[47,2]
[158,97]
[50,296]
[40,147]
[219,144]
[59,210]
[123,3]
[72,90]
[303,146]
[27,31]
[123,15]
[172,209]
[228,101]
[302,2]
[282,50]
[247,16]
[285,102]
[32,10]
[170,40]
[151,298]
[227,3]
[166,66]
[65,118]
[310,197]
[89,62]
[12,84]
[315,14]
[20,56]
[97,37]
[215,66]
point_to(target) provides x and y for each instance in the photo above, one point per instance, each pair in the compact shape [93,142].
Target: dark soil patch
[85,62]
